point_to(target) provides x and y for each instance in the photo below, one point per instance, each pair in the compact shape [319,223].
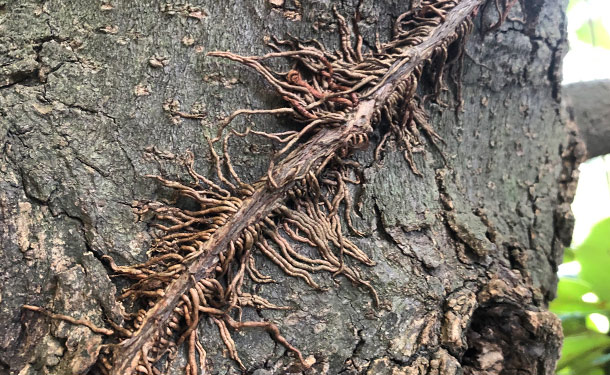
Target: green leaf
[580,346]
[596,371]
[572,4]
[601,360]
[594,33]
[568,255]
[573,288]
[597,322]
[574,324]
[594,258]
[569,298]
[588,364]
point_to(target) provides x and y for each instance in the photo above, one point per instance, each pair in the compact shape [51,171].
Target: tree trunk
[96,96]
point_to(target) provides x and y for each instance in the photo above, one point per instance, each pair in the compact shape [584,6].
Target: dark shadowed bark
[95,96]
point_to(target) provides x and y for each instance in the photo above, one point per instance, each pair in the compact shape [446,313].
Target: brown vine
[197,266]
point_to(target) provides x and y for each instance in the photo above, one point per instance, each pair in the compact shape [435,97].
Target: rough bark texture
[466,255]
[589,106]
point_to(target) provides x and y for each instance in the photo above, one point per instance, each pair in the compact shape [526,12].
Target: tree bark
[94,97]
[588,104]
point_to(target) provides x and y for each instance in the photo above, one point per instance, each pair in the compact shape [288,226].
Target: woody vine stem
[197,266]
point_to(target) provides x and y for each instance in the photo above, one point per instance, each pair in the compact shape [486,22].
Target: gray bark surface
[589,106]
[466,255]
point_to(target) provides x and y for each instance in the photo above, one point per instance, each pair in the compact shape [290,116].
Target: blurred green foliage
[591,31]
[586,350]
